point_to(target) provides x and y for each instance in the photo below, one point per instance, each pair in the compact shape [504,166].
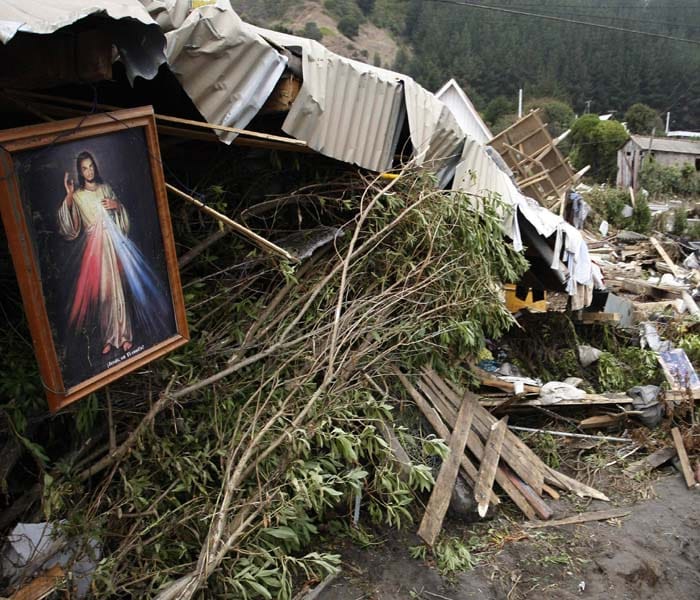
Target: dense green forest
[493,54]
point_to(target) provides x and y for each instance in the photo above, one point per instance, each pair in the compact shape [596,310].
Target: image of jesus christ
[114,286]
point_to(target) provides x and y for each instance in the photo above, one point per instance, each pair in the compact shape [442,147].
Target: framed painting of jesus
[84,207]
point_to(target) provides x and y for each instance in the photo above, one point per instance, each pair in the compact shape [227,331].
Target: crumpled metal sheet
[354,112]
[435,133]
[138,38]
[345,109]
[223,65]
[478,174]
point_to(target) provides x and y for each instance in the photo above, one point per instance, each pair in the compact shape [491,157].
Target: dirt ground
[654,553]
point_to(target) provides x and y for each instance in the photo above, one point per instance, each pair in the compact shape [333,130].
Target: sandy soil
[654,553]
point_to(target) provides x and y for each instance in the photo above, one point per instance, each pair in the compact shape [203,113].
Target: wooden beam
[159,117]
[442,491]
[654,460]
[540,506]
[489,466]
[237,227]
[683,458]
[677,273]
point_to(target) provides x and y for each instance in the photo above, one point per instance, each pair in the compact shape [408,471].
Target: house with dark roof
[666,151]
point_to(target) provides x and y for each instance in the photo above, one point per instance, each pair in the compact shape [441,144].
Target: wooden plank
[41,586]
[477,448]
[551,492]
[589,400]
[600,317]
[598,515]
[470,471]
[515,453]
[442,491]
[540,506]
[565,482]
[489,466]
[677,273]
[602,421]
[683,457]
[654,460]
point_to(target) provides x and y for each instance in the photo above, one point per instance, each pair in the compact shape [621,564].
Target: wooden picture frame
[85,210]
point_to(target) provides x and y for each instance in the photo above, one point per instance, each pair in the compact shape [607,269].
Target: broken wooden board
[682,395]
[489,466]
[41,586]
[511,453]
[602,421]
[541,507]
[565,482]
[683,458]
[476,447]
[598,515]
[677,272]
[588,318]
[442,490]
[470,471]
[589,400]
[654,460]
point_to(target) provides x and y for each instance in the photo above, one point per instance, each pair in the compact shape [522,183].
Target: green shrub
[680,221]
[349,27]
[609,203]
[596,143]
[312,31]
[556,113]
[658,179]
[642,119]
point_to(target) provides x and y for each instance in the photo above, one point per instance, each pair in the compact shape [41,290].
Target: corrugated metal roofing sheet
[665,144]
[139,39]
[354,112]
[225,67]
[345,109]
[435,133]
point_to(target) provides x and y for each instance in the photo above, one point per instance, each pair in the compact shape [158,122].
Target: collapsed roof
[345,109]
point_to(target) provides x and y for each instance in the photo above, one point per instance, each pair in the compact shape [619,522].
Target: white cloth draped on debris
[477,173]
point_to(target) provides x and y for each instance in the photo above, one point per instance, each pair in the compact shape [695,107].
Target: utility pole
[668,121]
[588,106]
[520,103]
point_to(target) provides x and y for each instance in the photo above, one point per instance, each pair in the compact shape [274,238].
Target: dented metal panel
[354,112]
[223,65]
[138,38]
[435,134]
[345,109]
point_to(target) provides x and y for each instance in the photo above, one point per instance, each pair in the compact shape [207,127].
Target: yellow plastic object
[515,304]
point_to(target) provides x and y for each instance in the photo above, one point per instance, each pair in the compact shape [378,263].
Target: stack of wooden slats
[476,437]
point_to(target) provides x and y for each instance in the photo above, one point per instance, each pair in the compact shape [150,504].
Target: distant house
[669,152]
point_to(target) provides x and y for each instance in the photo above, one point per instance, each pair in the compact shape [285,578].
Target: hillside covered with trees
[492,54]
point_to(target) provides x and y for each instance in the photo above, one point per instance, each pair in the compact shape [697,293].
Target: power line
[565,20]
[667,24]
